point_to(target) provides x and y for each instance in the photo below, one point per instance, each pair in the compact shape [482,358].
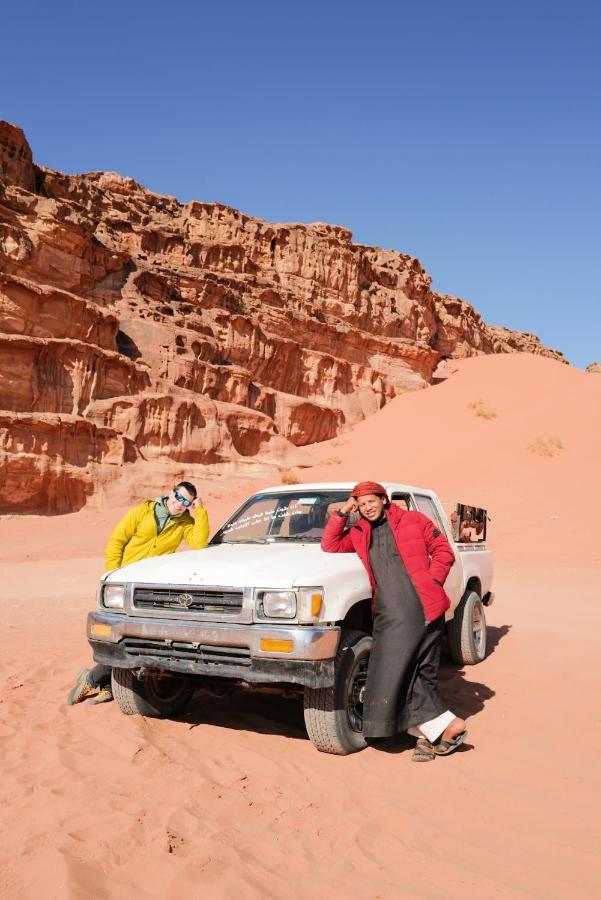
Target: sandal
[424,751]
[443,748]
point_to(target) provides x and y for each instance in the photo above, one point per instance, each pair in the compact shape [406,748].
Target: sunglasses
[182,499]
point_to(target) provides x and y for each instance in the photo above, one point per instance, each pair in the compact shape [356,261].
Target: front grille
[202,653]
[197,599]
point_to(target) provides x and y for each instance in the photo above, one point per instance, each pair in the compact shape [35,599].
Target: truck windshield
[290,516]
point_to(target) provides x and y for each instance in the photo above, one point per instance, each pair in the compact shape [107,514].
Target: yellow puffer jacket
[135,536]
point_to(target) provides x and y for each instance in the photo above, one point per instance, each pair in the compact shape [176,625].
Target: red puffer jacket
[425,551]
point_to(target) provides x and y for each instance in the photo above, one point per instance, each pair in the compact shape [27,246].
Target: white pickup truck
[264,606]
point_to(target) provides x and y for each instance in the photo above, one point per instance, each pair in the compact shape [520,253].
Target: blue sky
[467,134]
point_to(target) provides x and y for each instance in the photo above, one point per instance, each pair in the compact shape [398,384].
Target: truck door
[454,583]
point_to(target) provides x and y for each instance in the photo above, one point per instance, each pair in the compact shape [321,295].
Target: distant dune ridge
[142,335]
[532,460]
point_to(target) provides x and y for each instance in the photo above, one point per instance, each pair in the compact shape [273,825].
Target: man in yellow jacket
[152,528]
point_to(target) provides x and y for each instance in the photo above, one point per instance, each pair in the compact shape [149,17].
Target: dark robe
[403,666]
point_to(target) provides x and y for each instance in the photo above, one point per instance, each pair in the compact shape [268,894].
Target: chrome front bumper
[309,642]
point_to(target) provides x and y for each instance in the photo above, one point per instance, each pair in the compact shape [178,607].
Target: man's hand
[349,507]
[196,504]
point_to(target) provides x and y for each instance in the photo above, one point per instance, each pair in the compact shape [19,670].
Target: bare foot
[452,730]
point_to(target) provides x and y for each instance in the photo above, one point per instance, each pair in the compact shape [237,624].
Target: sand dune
[233,800]
[482,437]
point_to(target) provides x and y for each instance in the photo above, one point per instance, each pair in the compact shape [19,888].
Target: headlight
[113,596]
[310,602]
[279,604]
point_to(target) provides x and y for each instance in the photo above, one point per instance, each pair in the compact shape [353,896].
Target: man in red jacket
[407,559]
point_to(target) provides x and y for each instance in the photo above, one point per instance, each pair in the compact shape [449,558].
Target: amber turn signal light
[278,646]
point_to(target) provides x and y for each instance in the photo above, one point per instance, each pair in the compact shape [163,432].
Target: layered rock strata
[142,328]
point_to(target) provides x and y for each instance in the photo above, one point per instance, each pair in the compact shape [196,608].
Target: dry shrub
[550,446]
[482,411]
[288,476]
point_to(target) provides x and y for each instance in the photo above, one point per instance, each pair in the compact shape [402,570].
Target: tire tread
[131,697]
[322,715]
[459,633]
[123,686]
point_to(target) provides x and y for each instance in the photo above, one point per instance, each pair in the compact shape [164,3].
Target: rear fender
[477,571]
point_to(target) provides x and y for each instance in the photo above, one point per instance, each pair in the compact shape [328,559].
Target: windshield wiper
[257,540]
[273,538]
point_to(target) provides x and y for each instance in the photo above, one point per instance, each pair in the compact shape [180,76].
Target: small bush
[288,476]
[482,411]
[550,446]
[331,461]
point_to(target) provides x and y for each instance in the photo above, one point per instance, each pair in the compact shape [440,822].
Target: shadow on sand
[247,710]
[465,697]
[244,710]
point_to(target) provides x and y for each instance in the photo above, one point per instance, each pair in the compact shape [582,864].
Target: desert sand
[233,800]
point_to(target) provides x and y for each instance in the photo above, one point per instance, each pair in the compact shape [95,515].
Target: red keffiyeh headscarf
[368,487]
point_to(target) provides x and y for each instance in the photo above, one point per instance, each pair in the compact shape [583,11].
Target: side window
[338,504]
[426,506]
[402,500]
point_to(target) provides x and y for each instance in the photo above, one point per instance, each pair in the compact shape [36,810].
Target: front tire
[466,632]
[155,696]
[334,715]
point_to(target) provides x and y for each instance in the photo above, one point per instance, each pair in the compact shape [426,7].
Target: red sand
[235,801]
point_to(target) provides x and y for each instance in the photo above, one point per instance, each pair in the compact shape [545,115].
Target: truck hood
[277,565]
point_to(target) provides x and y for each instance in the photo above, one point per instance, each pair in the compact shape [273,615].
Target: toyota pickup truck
[263,607]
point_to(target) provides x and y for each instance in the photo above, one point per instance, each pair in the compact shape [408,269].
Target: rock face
[133,327]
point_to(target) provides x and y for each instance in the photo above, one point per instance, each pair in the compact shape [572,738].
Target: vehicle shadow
[243,710]
[494,636]
[271,713]
[464,696]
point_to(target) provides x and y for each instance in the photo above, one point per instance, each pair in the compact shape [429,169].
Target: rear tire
[154,696]
[334,715]
[466,632]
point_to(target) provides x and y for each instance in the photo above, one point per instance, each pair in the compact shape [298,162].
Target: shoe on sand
[443,748]
[424,751]
[82,690]
[104,695]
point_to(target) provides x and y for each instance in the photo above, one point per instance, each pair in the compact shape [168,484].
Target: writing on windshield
[285,516]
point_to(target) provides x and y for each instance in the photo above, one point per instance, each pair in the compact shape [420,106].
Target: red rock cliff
[134,327]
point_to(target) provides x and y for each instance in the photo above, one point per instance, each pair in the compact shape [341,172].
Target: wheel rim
[165,690]
[356,692]
[478,629]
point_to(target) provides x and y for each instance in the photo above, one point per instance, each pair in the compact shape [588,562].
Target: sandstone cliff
[134,327]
